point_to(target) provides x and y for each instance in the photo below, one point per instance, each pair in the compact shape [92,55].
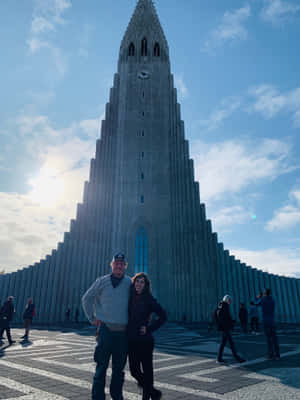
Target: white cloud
[288,216]
[84,40]
[230,29]
[33,223]
[181,86]
[224,219]
[281,261]
[47,17]
[230,166]
[277,11]
[224,111]
[269,102]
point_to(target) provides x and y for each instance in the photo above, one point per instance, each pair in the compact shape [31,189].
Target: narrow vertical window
[142,176]
[144,49]
[156,50]
[142,154]
[131,49]
[142,199]
[141,251]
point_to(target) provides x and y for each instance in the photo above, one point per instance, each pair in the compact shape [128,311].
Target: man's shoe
[220,361]
[23,337]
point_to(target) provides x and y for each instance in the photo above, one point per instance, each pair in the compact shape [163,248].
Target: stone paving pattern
[58,364]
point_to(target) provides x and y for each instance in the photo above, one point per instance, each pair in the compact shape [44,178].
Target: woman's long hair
[147,288]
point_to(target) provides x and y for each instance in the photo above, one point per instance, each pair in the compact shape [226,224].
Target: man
[225,324]
[267,304]
[106,306]
[6,315]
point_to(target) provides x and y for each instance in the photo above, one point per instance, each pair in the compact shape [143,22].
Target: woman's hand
[143,330]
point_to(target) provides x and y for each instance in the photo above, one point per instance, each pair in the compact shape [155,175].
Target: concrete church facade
[142,199]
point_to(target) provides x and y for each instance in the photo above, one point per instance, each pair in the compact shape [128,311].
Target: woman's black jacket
[28,313]
[140,310]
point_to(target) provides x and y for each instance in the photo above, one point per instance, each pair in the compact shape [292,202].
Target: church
[142,199]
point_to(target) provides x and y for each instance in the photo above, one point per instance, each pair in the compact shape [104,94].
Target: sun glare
[47,188]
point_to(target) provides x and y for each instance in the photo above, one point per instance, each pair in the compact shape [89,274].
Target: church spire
[144,36]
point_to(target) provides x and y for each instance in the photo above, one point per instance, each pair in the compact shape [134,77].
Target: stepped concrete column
[234,284]
[285,299]
[246,285]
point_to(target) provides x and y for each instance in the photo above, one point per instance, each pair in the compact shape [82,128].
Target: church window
[144,49]
[142,199]
[142,176]
[142,154]
[156,50]
[131,49]
[143,133]
[141,251]
[143,113]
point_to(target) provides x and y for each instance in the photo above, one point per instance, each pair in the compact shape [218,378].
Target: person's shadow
[25,343]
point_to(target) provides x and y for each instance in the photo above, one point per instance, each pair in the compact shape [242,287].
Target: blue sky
[236,67]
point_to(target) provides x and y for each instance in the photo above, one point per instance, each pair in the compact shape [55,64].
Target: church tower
[142,199]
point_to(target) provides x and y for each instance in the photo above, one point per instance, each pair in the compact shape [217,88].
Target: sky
[236,68]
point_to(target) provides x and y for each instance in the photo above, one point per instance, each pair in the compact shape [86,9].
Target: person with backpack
[225,325]
[267,303]
[253,314]
[6,315]
[28,315]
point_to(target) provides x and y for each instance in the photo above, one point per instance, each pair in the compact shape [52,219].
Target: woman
[140,328]
[27,317]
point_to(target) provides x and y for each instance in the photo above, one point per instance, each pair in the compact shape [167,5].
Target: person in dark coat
[243,316]
[27,317]
[267,304]
[225,325]
[141,325]
[6,315]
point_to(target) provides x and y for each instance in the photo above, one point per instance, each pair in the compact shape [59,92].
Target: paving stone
[61,364]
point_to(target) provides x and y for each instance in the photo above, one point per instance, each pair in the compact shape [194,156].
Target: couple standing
[122,309]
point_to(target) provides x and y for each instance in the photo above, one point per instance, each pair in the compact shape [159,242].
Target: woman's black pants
[140,354]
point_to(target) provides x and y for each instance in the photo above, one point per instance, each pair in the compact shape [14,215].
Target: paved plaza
[58,365]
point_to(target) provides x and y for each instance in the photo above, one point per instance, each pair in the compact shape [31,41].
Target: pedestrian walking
[253,314]
[225,325]
[28,315]
[243,316]
[106,306]
[141,325]
[267,304]
[6,315]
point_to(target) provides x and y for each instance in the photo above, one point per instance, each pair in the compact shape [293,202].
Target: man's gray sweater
[104,302]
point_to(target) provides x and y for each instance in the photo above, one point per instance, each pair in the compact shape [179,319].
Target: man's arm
[89,300]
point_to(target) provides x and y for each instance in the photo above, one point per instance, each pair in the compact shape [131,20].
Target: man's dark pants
[110,344]
[273,347]
[5,327]
[226,336]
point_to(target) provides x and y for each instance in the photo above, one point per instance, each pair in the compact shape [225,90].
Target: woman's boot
[155,394]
